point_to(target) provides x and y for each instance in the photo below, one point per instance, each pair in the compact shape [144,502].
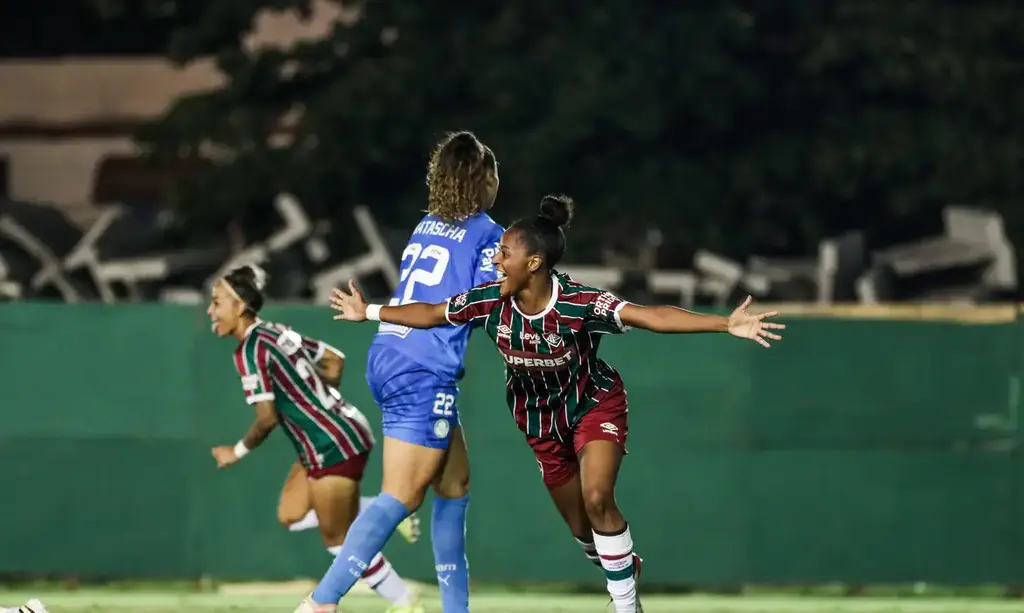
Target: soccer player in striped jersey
[570,404]
[287,379]
[414,377]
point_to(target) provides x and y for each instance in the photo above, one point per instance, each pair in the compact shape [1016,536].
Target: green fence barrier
[854,451]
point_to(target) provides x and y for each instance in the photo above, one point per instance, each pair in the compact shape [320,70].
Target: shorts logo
[442,428]
[461,299]
[553,339]
[610,428]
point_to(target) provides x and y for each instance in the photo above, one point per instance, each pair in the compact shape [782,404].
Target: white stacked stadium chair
[377,260]
[297,227]
[50,271]
[983,227]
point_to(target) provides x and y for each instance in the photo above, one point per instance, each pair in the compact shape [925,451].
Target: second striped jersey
[553,375]
[276,363]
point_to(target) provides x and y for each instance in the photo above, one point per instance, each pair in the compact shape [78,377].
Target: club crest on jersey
[553,339]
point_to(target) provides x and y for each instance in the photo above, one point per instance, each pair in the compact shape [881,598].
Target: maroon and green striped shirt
[553,374]
[276,363]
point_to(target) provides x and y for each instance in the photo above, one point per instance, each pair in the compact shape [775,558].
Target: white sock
[308,522]
[383,579]
[616,553]
[589,550]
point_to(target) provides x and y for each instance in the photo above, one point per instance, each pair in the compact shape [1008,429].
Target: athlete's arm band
[241,449]
[373,312]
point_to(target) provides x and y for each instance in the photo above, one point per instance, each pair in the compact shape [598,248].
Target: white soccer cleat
[32,606]
[308,606]
[410,528]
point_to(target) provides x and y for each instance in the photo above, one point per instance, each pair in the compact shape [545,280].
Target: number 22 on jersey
[421,267]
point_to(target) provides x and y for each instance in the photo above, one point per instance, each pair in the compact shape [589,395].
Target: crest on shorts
[442,428]
[461,299]
[552,338]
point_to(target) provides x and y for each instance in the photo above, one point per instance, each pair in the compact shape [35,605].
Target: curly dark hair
[458,177]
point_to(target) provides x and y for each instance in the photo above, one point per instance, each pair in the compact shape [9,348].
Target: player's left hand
[225,455]
[753,327]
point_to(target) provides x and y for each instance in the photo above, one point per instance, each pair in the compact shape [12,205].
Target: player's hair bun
[259,277]
[556,209]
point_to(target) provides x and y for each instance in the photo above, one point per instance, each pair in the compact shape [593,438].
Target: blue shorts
[417,405]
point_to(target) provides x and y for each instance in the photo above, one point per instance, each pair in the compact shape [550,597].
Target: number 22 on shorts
[443,404]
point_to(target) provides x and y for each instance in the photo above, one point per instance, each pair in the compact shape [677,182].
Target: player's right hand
[225,455]
[350,305]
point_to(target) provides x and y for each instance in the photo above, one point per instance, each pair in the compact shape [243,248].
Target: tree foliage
[736,125]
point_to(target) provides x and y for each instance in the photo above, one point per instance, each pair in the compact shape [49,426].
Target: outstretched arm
[413,315]
[672,320]
[351,306]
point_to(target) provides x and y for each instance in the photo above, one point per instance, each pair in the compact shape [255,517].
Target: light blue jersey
[413,374]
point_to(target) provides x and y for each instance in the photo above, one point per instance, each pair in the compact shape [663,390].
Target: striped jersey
[276,363]
[553,375]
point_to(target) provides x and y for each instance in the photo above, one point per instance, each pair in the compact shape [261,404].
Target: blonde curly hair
[459,177]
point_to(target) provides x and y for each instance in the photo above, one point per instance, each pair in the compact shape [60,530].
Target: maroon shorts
[608,420]
[352,468]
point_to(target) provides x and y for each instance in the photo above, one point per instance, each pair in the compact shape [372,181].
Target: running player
[413,375]
[333,440]
[570,404]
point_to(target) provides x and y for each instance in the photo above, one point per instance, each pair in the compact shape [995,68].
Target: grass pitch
[155,602]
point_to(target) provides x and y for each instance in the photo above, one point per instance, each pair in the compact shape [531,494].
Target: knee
[332,537]
[408,494]
[599,503]
[287,518]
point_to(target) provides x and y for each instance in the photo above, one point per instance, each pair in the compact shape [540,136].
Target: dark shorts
[608,420]
[352,468]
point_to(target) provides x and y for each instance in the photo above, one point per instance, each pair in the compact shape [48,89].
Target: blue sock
[448,534]
[365,539]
